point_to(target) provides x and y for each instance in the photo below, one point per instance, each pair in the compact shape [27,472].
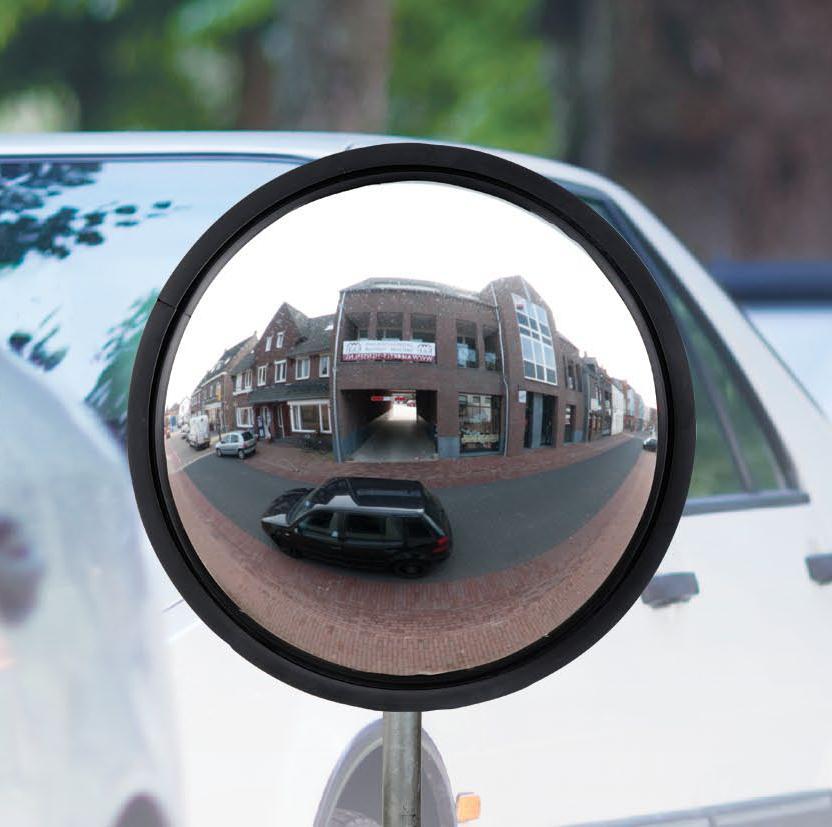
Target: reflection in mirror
[411,428]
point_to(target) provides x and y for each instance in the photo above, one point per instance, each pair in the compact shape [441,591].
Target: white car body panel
[728,697]
[84,719]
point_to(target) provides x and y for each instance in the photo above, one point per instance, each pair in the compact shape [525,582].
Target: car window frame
[791,493]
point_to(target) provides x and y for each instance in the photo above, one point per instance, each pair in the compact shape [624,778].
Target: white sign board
[521,396]
[394,350]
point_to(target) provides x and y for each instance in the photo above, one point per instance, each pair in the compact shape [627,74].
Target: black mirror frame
[487,174]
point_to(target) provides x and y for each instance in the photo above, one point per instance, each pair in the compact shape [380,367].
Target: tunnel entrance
[388,425]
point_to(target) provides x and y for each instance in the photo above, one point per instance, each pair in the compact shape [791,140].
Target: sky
[419,230]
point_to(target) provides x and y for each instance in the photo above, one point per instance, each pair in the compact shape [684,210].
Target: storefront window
[479,422]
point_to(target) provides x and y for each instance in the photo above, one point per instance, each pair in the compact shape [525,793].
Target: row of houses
[487,371]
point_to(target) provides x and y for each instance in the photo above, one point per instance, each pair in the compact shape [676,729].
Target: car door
[371,540]
[724,694]
[317,535]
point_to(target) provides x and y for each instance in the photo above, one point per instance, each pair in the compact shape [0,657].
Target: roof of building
[315,335]
[246,362]
[416,285]
[291,391]
[225,360]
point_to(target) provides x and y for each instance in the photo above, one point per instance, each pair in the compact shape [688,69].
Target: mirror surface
[410,428]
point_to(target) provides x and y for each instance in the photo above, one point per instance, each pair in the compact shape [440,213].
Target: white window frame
[268,343]
[245,417]
[261,375]
[309,403]
[238,383]
[247,379]
[323,359]
[280,375]
[278,342]
[535,339]
[303,360]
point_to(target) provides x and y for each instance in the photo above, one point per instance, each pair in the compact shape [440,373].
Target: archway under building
[387,425]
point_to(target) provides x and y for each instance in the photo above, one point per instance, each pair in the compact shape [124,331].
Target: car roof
[300,146]
[371,494]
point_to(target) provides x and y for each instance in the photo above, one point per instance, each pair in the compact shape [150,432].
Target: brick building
[212,395]
[282,387]
[487,372]
[482,366]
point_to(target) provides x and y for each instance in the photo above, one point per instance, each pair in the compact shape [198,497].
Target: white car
[712,702]
[85,734]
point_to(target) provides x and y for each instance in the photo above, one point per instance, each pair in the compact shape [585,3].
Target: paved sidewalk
[412,627]
[291,462]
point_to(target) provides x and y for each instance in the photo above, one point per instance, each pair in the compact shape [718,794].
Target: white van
[198,434]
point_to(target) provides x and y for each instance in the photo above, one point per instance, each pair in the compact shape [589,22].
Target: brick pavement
[292,462]
[412,627]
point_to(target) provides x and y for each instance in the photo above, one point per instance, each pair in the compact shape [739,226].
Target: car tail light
[441,545]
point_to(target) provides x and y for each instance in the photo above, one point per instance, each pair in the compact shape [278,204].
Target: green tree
[474,72]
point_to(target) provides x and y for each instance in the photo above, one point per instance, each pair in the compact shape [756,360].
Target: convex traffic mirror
[411,427]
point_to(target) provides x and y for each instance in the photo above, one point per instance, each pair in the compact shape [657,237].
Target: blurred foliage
[473,72]
[108,398]
[460,71]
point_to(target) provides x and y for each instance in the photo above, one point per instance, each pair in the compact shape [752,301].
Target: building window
[245,417]
[466,345]
[261,375]
[280,371]
[389,326]
[479,422]
[238,383]
[357,327]
[268,343]
[310,417]
[302,368]
[323,365]
[491,348]
[423,328]
[278,343]
[535,341]
[247,376]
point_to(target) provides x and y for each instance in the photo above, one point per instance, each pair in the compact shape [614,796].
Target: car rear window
[417,529]
[248,435]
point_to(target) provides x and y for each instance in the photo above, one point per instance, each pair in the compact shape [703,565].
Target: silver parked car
[241,443]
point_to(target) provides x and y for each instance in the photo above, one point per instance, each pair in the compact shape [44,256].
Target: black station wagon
[364,523]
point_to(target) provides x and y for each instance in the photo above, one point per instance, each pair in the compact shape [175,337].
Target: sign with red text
[389,350]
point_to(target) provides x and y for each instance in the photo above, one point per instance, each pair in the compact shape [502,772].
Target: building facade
[282,387]
[213,394]
[487,372]
[482,366]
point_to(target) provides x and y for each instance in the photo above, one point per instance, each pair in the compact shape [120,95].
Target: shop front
[480,423]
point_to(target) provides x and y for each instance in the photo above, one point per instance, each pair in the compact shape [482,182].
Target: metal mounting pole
[401,786]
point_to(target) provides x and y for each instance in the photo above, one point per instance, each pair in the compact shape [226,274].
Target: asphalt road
[496,525]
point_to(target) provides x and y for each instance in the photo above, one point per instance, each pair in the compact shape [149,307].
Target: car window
[319,522]
[85,247]
[372,527]
[248,435]
[737,448]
